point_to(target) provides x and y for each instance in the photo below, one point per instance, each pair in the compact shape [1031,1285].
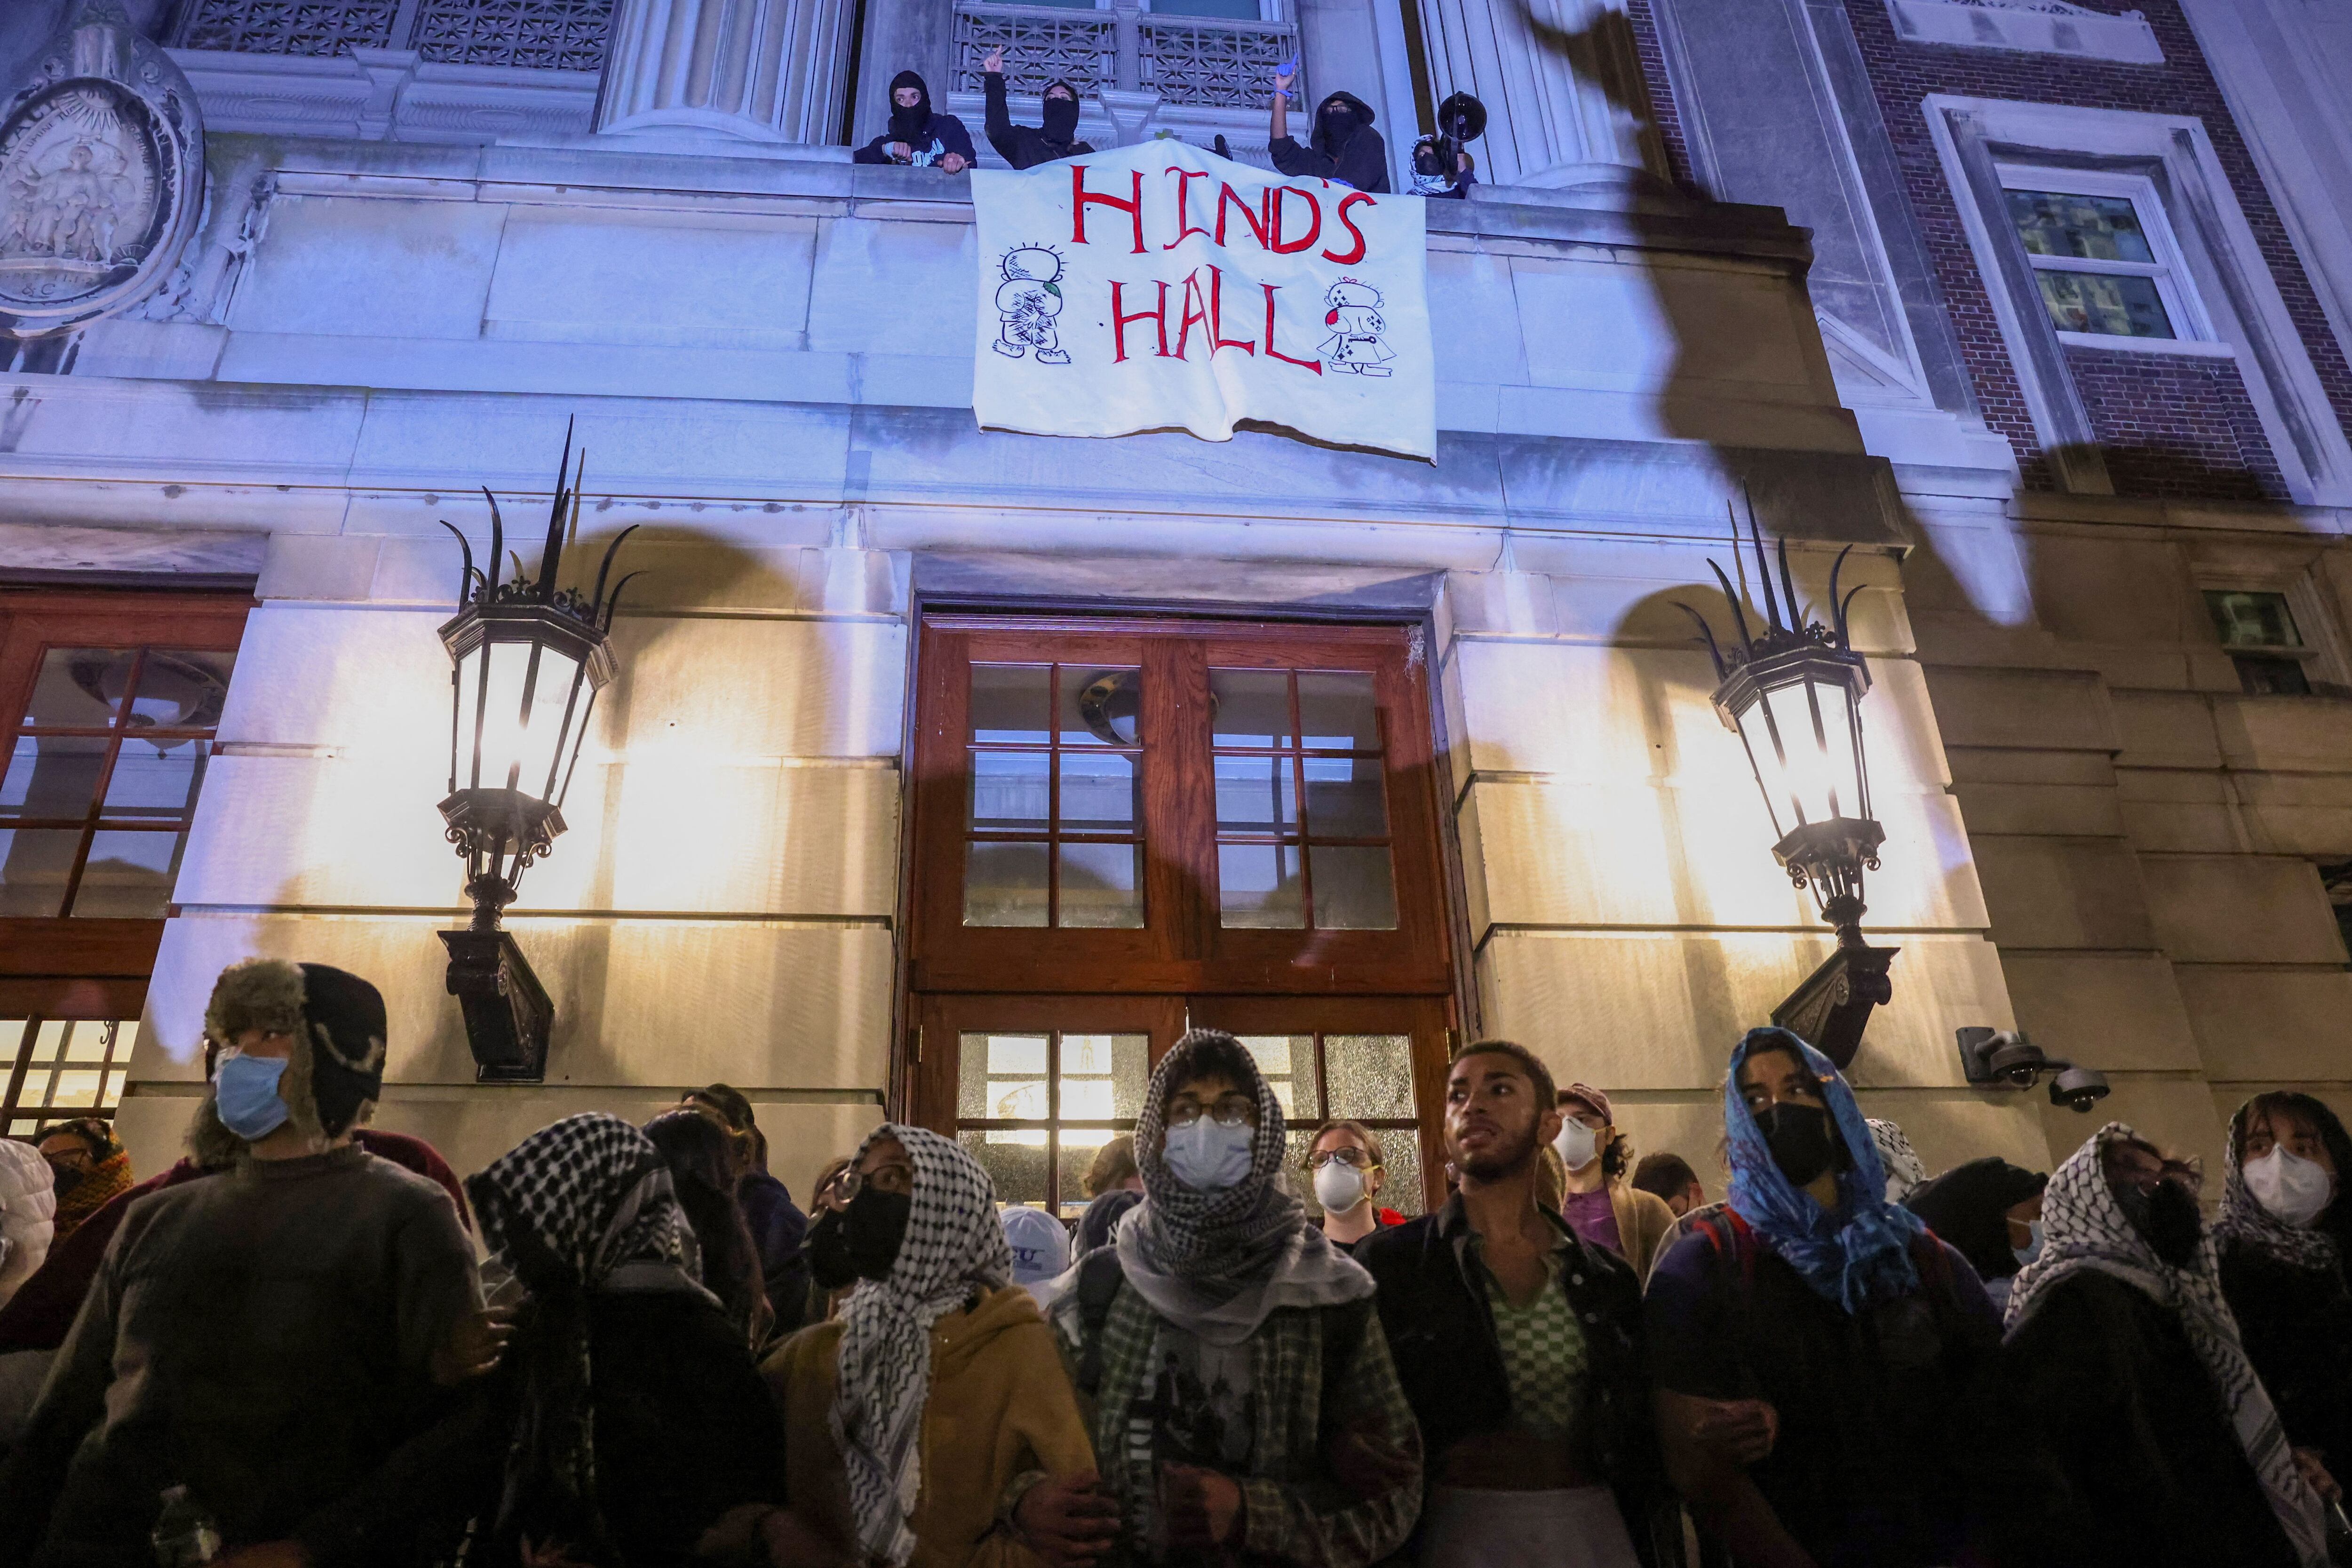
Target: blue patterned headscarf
[1861,1252]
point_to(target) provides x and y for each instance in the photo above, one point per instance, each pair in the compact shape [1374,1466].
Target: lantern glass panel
[520,741]
[1802,737]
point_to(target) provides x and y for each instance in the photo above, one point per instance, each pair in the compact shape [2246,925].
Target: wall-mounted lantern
[528,660]
[1792,693]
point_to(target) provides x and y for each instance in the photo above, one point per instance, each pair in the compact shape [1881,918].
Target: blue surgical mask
[2032,1249]
[1209,1156]
[244,1091]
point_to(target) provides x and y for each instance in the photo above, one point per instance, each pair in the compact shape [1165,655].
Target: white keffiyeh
[2083,1227]
[954,1243]
[2245,1221]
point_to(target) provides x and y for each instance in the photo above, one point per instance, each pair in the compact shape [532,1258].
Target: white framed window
[2275,626]
[2104,258]
[2089,224]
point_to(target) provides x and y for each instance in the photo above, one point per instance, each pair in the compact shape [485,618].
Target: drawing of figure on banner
[1354,346]
[1027,302]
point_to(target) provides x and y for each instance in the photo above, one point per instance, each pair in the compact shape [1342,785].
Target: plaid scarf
[568,1208]
[954,1244]
[106,1181]
[2244,1221]
[1216,1263]
[2083,1227]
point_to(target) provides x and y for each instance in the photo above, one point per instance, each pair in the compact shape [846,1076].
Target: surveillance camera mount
[1998,1058]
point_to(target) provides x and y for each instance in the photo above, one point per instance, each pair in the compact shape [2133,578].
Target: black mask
[1061,117]
[907,124]
[67,1179]
[1338,124]
[2167,1219]
[1799,1137]
[860,1242]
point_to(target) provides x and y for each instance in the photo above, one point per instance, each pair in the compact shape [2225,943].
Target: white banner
[1159,287]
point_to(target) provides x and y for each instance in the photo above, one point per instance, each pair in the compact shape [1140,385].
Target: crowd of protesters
[308,1342]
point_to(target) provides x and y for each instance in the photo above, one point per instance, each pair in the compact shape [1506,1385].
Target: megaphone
[1462,117]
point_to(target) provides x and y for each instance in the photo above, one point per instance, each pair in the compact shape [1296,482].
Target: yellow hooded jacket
[999,1406]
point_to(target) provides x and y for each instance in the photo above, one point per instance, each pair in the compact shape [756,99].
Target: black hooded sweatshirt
[1354,153]
[928,136]
[1026,146]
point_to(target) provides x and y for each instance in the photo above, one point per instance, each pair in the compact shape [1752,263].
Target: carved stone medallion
[102,175]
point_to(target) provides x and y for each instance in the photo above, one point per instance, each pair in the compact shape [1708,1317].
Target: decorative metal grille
[536,35]
[1213,64]
[1192,60]
[1042,44]
[290,26]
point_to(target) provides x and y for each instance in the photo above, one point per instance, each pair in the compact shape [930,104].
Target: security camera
[2078,1089]
[1995,1057]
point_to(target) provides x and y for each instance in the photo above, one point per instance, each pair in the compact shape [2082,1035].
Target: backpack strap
[1099,1278]
[1731,1237]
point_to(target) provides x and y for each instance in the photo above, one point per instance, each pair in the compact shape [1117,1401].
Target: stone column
[756,70]
[1562,85]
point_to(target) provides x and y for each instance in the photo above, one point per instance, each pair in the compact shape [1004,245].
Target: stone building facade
[2041,309]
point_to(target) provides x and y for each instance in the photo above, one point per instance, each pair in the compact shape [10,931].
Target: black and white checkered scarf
[954,1244]
[579,1206]
[2083,1227]
[2245,1221]
[1216,1263]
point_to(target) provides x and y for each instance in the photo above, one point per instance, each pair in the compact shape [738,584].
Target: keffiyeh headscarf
[2084,1228]
[579,1206]
[1904,1169]
[1855,1255]
[2245,1220]
[953,1245]
[1215,1263]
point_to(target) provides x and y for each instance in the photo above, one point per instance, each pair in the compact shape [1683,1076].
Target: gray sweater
[264,1338]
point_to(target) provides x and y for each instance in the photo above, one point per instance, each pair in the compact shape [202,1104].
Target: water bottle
[185,1534]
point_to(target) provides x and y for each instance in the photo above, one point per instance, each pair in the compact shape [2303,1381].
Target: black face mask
[860,1242]
[67,1179]
[1061,119]
[907,124]
[1799,1137]
[2167,1219]
[1338,124]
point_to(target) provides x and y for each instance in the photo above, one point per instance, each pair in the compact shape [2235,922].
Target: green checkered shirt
[1544,1358]
[1293,1510]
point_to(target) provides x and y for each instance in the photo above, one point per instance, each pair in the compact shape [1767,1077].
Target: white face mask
[1576,1145]
[1339,1187]
[2296,1191]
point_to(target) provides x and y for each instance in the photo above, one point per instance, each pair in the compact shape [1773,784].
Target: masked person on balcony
[1817,1351]
[931,1423]
[1519,1343]
[1026,146]
[2137,1431]
[917,136]
[266,1338]
[1431,177]
[1235,1368]
[2285,1237]
[1345,149]
[1595,1199]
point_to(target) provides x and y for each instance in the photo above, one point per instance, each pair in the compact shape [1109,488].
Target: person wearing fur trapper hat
[297,1055]
[291,1316]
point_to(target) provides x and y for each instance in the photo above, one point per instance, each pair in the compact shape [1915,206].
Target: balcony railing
[532,34]
[1201,61]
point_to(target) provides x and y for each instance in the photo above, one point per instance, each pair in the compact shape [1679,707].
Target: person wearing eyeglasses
[1242,1399]
[1344,1167]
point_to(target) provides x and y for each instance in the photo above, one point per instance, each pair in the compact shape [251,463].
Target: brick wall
[2173,420]
[2176,425]
[1664,113]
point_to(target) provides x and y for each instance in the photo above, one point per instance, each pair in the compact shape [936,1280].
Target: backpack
[1100,1276]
